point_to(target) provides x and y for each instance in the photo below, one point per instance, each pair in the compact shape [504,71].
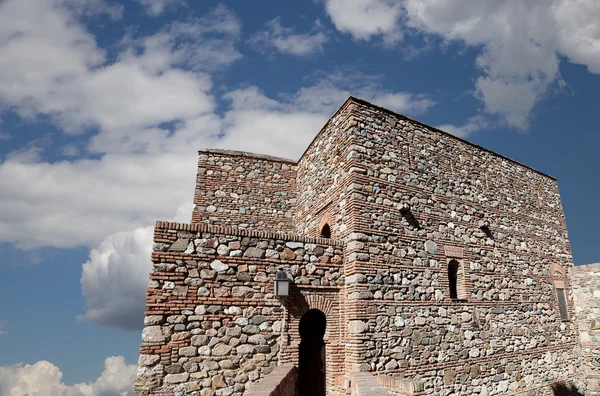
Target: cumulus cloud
[45,379]
[154,80]
[520,42]
[328,91]
[115,278]
[93,8]
[157,7]
[364,19]
[80,202]
[473,124]
[284,39]
[146,174]
[150,108]
[75,86]
[287,125]
[201,44]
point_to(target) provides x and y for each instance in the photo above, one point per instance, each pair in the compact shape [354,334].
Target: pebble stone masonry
[441,267]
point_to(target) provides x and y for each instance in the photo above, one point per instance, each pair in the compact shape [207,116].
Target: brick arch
[554,269]
[299,302]
[304,302]
[557,276]
[325,219]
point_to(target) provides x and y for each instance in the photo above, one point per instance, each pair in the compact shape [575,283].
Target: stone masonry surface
[440,269]
[586,295]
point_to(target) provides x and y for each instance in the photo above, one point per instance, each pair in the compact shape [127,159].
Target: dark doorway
[311,362]
[453,278]
[326,231]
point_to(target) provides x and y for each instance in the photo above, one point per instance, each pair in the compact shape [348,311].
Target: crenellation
[419,264]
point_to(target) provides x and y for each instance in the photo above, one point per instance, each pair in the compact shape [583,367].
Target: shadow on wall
[565,390]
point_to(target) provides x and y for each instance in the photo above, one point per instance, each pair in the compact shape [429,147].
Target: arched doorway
[311,362]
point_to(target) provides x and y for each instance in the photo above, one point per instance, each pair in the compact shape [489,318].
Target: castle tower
[424,260]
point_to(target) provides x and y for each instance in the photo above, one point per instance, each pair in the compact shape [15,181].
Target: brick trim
[203,227]
[593,267]
[235,153]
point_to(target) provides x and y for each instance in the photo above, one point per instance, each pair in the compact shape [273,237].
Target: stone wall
[585,284]
[420,198]
[406,204]
[323,177]
[247,191]
[213,325]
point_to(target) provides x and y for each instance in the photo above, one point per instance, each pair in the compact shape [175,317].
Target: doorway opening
[311,362]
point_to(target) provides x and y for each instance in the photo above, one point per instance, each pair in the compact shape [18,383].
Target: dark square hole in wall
[410,218]
[486,230]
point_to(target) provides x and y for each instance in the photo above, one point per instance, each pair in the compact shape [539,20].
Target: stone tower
[419,261]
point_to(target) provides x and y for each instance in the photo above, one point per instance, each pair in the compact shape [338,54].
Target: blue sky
[104,104]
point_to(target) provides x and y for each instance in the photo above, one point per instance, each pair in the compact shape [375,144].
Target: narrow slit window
[453,278]
[562,304]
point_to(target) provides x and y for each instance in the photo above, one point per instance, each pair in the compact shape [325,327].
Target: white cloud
[70,150]
[473,124]
[50,65]
[144,175]
[521,41]
[115,278]
[285,40]
[93,8]
[364,19]
[287,126]
[139,171]
[519,57]
[329,91]
[45,379]
[82,201]
[155,79]
[202,44]
[157,7]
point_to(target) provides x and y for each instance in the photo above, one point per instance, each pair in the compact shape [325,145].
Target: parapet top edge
[231,230]
[235,153]
[391,112]
[353,99]
[587,267]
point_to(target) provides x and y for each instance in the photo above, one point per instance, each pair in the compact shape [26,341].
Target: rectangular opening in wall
[562,304]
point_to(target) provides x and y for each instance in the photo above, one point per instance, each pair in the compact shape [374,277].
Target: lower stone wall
[213,325]
[505,337]
[585,289]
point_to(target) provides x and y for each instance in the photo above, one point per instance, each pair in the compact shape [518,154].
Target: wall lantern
[282,283]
